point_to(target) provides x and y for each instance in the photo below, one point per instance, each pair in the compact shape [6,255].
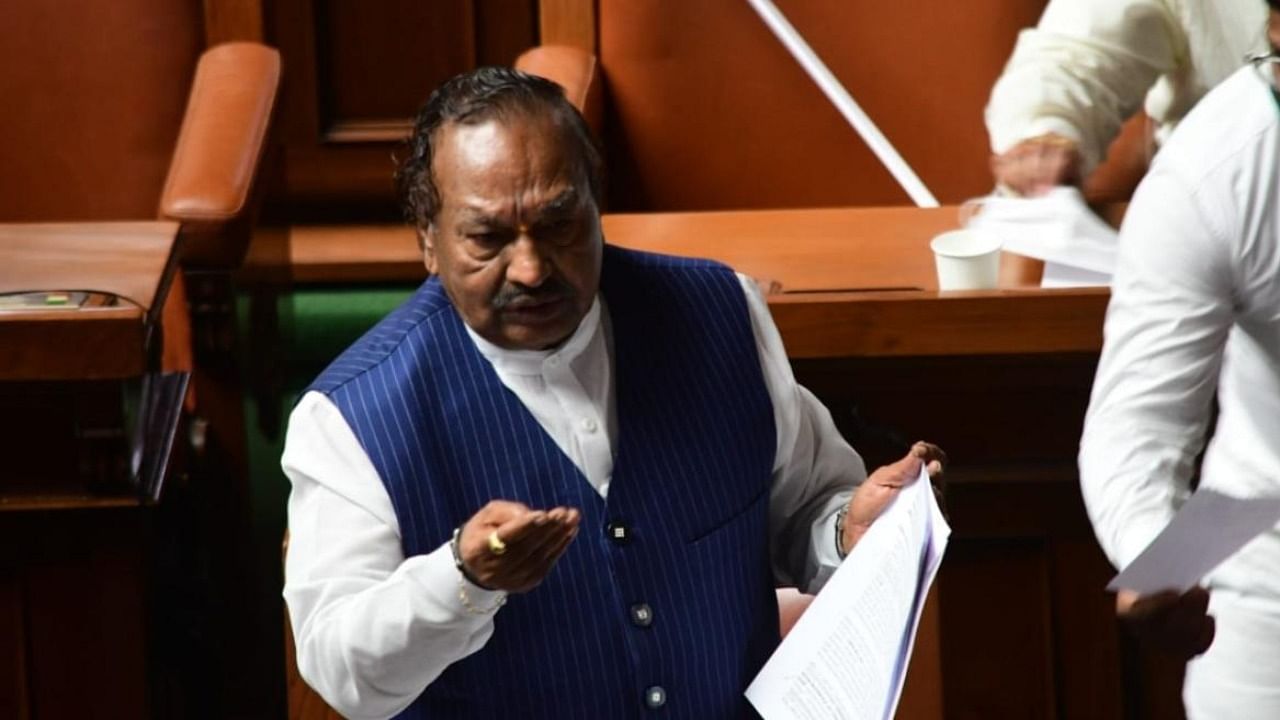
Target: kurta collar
[535,362]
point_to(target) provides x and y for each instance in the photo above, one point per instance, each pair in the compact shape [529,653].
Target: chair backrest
[94,93]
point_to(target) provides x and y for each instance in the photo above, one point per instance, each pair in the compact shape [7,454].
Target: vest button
[655,697]
[641,615]
[618,533]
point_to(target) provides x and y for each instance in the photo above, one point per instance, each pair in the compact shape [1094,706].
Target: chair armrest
[209,189]
[574,69]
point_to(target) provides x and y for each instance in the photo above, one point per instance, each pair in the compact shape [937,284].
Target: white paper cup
[966,260]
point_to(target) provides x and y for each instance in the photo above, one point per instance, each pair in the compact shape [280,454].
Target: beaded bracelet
[465,577]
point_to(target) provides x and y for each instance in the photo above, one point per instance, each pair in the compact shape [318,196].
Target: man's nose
[528,265]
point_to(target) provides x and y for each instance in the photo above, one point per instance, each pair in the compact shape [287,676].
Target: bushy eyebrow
[562,203]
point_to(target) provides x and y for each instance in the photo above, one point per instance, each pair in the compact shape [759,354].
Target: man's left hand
[878,490]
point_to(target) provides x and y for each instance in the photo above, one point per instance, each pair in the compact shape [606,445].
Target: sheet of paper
[847,656]
[1207,530]
[1057,275]
[1057,227]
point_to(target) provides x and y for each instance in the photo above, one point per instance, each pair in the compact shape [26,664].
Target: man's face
[516,242]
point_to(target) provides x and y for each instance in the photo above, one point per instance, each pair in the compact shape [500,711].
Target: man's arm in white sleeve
[1082,71]
[372,627]
[1168,321]
[815,469]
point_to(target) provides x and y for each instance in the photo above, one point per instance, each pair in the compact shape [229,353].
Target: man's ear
[427,239]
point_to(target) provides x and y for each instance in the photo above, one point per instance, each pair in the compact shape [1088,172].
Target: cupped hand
[531,541]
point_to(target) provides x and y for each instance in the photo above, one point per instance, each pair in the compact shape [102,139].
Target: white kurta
[374,628]
[1089,64]
[1195,309]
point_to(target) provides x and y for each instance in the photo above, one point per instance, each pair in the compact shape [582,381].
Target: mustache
[550,290]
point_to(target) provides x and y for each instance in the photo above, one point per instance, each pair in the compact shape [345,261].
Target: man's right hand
[1177,624]
[1037,165]
[531,541]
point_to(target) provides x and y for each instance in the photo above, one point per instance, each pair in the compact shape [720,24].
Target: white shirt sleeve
[815,469]
[1082,71]
[372,628]
[1170,313]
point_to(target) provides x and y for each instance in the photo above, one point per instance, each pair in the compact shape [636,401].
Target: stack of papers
[847,657]
[1077,247]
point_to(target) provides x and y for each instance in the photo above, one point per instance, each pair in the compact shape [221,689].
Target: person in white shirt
[1089,65]
[503,185]
[1194,313]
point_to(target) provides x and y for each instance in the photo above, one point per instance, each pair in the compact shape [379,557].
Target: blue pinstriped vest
[695,446]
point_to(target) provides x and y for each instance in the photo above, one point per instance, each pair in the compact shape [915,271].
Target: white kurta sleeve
[814,471]
[372,627]
[1170,313]
[1082,71]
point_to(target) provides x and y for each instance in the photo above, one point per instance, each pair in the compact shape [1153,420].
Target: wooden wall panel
[95,94]
[568,22]
[13,649]
[355,76]
[704,107]
[1026,627]
[994,664]
[231,20]
[369,81]
[1084,631]
[73,603]
[707,110]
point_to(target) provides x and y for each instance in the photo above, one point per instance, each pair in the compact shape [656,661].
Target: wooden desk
[74,535]
[860,282]
[856,281]
[132,260]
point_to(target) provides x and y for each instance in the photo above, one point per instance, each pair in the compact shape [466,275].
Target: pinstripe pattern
[691,477]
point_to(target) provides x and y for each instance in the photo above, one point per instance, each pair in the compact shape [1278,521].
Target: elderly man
[1088,65]
[1195,312]
[563,479]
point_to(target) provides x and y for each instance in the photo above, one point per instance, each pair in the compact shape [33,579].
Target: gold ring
[496,546]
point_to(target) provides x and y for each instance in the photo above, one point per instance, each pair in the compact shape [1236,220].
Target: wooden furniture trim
[856,281]
[932,323]
[44,503]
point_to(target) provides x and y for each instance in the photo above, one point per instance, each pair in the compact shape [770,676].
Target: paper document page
[1208,529]
[1078,247]
[847,656]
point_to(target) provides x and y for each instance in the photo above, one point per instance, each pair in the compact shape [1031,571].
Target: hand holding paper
[1158,595]
[847,656]
[1058,227]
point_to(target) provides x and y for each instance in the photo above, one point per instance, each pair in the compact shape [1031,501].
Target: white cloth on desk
[1195,309]
[350,590]
[1088,65]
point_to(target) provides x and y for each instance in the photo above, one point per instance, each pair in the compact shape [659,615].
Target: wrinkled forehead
[505,154]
